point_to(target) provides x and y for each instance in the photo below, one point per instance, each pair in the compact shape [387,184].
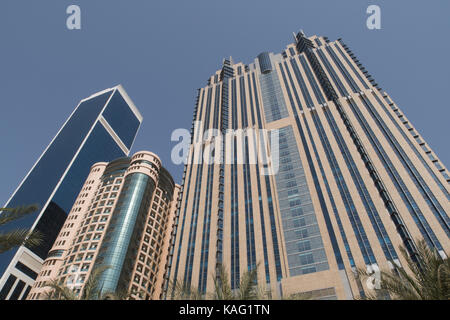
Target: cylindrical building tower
[120,247]
[121,223]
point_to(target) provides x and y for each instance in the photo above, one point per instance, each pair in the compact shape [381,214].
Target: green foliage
[15,238]
[183,291]
[222,288]
[428,279]
[91,291]
[248,288]
[59,291]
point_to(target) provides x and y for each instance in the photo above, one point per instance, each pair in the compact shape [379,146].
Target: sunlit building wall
[355,182]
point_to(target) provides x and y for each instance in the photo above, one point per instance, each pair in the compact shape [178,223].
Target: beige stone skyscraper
[122,220]
[355,179]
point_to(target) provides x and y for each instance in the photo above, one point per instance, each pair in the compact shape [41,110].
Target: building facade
[121,222]
[355,179]
[101,128]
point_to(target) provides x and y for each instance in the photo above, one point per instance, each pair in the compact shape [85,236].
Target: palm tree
[428,279]
[222,289]
[90,290]
[184,291]
[15,238]
[248,288]
[59,291]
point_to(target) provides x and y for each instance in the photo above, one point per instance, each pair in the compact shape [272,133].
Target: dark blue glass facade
[57,177]
[67,192]
[43,178]
[120,117]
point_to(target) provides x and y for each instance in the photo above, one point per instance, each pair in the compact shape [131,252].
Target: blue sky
[162,51]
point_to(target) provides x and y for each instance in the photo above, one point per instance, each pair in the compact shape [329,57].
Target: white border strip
[130,102]
[17,255]
[113,134]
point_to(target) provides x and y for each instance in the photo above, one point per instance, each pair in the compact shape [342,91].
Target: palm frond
[400,285]
[248,285]
[428,278]
[298,296]
[222,288]
[19,237]
[184,291]
[117,295]
[90,290]
[11,214]
[109,296]
[59,291]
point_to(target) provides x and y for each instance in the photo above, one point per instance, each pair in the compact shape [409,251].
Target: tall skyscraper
[355,179]
[101,128]
[122,220]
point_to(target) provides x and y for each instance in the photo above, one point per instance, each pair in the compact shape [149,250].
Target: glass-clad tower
[355,179]
[101,128]
[121,221]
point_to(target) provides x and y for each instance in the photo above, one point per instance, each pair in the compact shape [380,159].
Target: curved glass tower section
[121,220]
[118,244]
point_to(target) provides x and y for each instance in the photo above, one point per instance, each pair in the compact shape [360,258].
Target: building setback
[121,220]
[355,178]
[101,128]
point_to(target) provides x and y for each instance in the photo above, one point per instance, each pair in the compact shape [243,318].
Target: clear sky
[161,51]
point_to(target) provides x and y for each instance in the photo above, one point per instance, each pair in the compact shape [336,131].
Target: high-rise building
[355,179]
[121,222]
[101,128]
